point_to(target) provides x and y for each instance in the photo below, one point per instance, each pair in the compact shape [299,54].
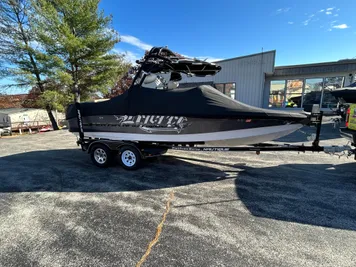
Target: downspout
[262,80]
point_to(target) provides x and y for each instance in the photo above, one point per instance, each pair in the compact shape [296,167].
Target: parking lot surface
[230,209]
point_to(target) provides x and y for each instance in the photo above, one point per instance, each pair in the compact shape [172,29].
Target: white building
[26,118]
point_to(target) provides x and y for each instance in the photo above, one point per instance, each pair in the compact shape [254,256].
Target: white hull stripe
[271,133]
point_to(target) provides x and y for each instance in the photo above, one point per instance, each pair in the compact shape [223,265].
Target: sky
[301,31]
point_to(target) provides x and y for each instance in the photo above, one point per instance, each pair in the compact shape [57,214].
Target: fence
[34,125]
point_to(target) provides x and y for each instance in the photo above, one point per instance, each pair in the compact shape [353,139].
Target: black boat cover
[200,102]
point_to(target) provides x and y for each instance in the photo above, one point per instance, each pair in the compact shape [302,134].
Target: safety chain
[348,152]
[310,136]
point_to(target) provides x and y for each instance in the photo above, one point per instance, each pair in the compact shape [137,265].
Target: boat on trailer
[160,113]
[155,114]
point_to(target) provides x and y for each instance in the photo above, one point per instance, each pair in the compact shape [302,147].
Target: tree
[80,35]
[123,83]
[31,100]
[21,57]
[54,96]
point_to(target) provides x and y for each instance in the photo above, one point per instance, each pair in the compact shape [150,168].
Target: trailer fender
[99,142]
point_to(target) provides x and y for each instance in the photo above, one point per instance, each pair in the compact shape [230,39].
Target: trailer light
[347,117]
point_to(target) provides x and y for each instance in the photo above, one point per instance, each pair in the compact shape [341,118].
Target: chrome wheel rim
[128,158]
[100,155]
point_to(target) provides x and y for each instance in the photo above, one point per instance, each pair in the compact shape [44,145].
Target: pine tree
[80,35]
[21,56]
[122,84]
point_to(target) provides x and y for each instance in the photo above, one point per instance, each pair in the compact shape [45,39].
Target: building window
[219,87]
[228,89]
[312,93]
[304,93]
[276,96]
[294,93]
[330,84]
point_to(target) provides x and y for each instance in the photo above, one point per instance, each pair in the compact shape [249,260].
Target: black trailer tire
[101,155]
[130,158]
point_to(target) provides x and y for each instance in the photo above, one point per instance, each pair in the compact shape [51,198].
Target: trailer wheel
[130,158]
[101,155]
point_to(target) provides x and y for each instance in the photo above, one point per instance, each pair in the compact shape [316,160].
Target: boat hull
[215,132]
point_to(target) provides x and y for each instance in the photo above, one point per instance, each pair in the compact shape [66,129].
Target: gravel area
[230,209]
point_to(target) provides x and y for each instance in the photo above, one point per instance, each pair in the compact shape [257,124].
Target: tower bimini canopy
[161,60]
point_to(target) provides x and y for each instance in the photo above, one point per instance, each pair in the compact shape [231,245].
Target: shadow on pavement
[72,171]
[328,132]
[314,194]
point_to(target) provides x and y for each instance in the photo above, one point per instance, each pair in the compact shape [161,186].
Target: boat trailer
[103,152]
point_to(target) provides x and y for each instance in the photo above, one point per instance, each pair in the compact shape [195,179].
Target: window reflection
[312,93]
[294,93]
[220,87]
[276,96]
[331,84]
[228,89]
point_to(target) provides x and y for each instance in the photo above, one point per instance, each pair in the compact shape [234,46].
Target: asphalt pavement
[230,209]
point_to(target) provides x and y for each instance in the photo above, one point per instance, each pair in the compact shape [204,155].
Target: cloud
[306,22]
[330,8]
[132,57]
[209,59]
[321,10]
[328,13]
[336,15]
[206,58]
[128,55]
[35,44]
[132,40]
[282,10]
[341,26]
[310,18]
[290,22]
[110,31]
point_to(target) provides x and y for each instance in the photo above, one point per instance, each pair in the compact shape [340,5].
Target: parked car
[349,130]
[347,97]
[5,131]
[44,129]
